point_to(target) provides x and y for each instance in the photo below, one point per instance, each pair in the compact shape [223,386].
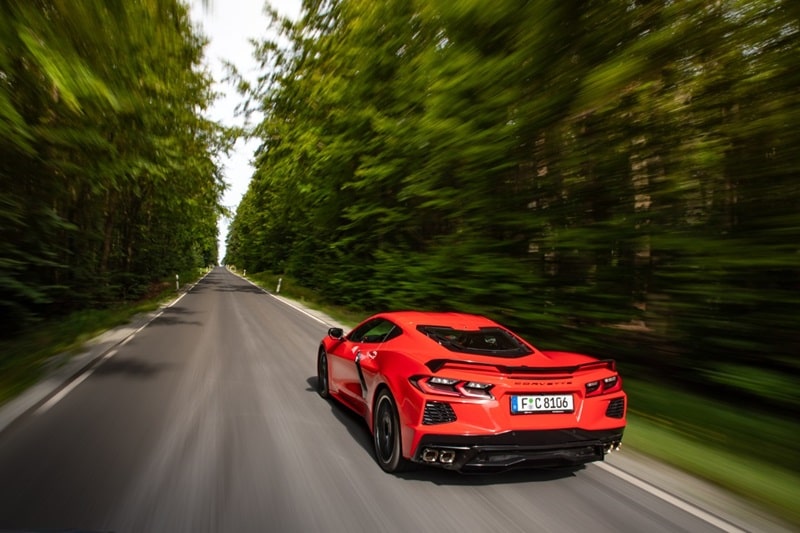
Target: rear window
[482,341]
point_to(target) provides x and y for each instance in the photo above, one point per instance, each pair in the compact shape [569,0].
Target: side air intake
[438,413]
[616,408]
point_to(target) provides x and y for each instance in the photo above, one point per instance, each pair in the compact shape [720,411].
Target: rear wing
[437,364]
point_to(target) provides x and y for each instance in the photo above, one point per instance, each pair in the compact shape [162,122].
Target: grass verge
[740,450]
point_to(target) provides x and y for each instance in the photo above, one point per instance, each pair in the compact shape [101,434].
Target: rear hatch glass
[482,341]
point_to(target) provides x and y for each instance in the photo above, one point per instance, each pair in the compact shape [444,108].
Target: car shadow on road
[211,284]
[357,427]
[176,315]
[129,367]
[252,289]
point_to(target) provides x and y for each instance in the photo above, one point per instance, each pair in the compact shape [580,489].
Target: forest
[618,177]
[107,166]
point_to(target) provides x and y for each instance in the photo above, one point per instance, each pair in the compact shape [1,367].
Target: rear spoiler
[437,364]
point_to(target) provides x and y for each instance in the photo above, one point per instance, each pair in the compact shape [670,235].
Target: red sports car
[464,393]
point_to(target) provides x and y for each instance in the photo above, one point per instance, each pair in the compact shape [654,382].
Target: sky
[229,24]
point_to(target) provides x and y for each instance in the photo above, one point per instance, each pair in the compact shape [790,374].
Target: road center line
[672,500]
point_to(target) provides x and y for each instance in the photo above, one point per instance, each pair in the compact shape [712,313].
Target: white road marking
[74,383]
[63,392]
[80,379]
[129,338]
[178,299]
[672,500]
[299,309]
[265,291]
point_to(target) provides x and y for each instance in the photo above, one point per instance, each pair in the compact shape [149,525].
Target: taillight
[453,387]
[612,383]
[475,389]
[604,386]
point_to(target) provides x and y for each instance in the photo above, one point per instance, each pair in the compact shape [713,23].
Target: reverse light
[604,386]
[474,389]
[453,387]
[435,380]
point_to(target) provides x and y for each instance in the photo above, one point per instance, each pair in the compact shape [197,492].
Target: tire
[323,385]
[386,434]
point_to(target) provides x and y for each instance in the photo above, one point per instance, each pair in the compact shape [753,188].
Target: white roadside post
[177,283]
[278,290]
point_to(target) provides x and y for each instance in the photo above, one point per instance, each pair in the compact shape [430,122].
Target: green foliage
[615,177]
[108,181]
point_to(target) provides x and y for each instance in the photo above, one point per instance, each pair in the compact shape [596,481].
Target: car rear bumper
[516,449]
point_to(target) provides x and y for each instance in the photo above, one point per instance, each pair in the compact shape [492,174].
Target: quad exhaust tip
[432,455]
[447,457]
[612,447]
[429,455]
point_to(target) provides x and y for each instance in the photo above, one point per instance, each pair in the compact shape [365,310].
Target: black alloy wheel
[323,388]
[386,432]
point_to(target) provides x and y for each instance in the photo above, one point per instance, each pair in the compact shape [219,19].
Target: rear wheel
[323,387]
[386,434]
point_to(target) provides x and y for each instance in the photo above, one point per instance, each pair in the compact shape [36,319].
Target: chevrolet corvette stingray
[464,393]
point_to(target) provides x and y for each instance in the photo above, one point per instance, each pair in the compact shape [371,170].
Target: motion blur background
[619,174]
[615,177]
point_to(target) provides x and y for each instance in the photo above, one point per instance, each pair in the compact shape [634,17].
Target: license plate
[542,403]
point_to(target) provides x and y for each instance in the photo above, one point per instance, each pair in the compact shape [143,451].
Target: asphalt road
[207,420]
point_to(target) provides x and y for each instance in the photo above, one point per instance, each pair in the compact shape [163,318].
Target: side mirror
[336,333]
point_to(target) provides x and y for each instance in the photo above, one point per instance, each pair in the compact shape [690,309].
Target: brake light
[604,386]
[452,387]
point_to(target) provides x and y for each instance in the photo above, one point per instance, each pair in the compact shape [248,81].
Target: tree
[107,170]
[598,174]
